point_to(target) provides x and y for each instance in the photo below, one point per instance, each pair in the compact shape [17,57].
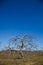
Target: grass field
[6,59]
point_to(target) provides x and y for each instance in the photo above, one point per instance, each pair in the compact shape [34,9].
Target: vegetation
[21,43]
[21,50]
[30,58]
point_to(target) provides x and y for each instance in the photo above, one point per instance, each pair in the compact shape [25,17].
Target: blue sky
[21,16]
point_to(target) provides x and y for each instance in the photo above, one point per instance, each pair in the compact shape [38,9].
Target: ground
[6,59]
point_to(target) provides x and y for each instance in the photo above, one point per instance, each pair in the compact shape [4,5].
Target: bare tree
[23,42]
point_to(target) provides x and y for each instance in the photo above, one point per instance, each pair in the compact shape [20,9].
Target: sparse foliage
[22,42]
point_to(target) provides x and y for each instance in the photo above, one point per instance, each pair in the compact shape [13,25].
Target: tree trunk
[21,54]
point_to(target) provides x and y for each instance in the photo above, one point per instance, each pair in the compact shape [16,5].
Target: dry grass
[15,60]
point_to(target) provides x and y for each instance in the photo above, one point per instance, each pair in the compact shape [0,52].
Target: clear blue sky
[21,16]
